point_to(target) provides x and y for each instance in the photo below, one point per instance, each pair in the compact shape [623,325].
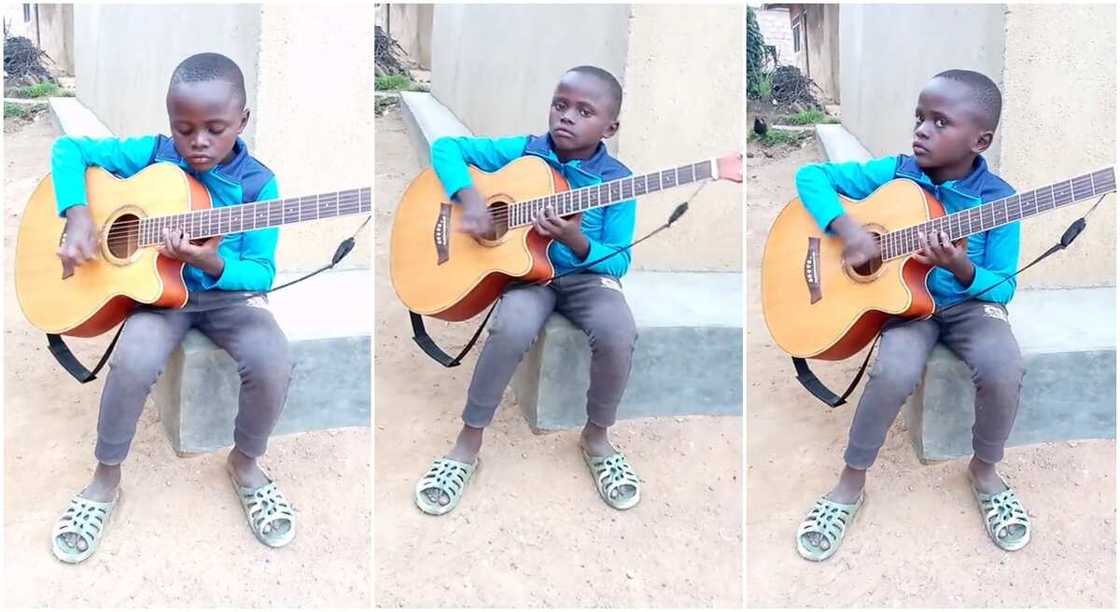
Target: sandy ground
[919,541]
[530,530]
[179,537]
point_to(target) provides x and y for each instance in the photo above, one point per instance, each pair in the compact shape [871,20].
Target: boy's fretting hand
[80,244]
[177,245]
[937,250]
[476,219]
[567,231]
[860,246]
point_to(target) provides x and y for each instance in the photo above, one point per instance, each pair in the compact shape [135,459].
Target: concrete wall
[682,70]
[1059,119]
[882,69]
[496,66]
[774,23]
[411,26]
[309,79]
[822,58]
[683,102]
[123,79]
[51,27]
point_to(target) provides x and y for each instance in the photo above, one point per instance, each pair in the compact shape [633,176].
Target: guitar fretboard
[903,242]
[612,192]
[256,215]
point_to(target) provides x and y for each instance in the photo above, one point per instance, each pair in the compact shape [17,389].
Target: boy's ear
[983,141]
[244,120]
[611,130]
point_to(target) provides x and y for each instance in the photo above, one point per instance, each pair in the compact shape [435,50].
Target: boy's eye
[584,112]
[558,105]
[217,131]
[940,123]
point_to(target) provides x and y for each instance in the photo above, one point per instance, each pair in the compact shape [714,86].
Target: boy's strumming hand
[937,250]
[567,231]
[80,244]
[177,244]
[476,219]
[860,246]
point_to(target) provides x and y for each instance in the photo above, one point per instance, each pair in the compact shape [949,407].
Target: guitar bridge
[813,269]
[441,234]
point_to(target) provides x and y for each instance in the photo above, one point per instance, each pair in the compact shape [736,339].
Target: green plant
[393,82]
[774,138]
[38,90]
[756,57]
[765,89]
[12,109]
[809,117]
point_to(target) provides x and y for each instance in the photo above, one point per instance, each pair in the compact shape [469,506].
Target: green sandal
[611,474]
[829,519]
[85,518]
[264,506]
[450,478]
[1001,512]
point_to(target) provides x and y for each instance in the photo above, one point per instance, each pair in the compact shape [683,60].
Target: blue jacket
[607,228]
[995,253]
[249,257]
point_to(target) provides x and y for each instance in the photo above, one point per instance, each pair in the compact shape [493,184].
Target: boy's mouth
[562,132]
[920,149]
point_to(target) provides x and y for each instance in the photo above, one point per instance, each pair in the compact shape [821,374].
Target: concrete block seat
[327,320]
[1068,341]
[688,358]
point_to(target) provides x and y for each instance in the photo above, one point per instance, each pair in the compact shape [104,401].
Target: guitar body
[102,292]
[441,272]
[815,305]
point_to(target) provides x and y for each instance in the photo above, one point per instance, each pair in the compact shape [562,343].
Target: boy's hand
[860,246]
[80,244]
[936,250]
[476,219]
[567,231]
[204,255]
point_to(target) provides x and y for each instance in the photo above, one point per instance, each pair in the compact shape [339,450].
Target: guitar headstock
[730,167]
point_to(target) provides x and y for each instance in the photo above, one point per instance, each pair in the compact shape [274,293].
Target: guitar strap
[813,385]
[70,363]
[431,349]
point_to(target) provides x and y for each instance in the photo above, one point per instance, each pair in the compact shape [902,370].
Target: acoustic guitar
[816,305]
[130,215]
[443,273]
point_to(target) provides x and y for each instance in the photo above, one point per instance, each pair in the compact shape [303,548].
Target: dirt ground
[530,530]
[179,537]
[919,541]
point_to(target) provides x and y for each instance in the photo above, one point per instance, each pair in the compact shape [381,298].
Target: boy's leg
[980,334]
[903,349]
[596,304]
[250,334]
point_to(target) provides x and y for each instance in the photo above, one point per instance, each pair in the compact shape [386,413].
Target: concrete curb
[838,145]
[74,119]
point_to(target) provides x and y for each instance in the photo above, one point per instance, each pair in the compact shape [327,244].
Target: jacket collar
[232,171]
[600,165]
[971,185]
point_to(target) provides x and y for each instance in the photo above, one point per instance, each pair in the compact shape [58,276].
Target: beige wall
[1060,120]
[411,26]
[822,59]
[495,66]
[56,31]
[888,52]
[315,118]
[774,24]
[309,79]
[683,102]
[682,70]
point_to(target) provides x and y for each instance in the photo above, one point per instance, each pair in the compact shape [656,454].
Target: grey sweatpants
[593,303]
[246,330]
[979,333]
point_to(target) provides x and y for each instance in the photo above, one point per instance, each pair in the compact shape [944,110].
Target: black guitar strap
[813,385]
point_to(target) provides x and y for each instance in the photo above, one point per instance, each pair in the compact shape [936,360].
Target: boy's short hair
[210,67]
[614,88]
[985,94]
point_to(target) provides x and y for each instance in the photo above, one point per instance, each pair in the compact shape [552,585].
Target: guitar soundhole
[869,268]
[499,218]
[123,237]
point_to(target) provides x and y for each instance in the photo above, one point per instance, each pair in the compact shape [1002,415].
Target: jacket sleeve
[450,157]
[70,156]
[818,185]
[254,267]
[618,231]
[1001,259]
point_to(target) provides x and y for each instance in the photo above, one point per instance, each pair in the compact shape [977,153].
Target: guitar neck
[257,215]
[612,192]
[903,242]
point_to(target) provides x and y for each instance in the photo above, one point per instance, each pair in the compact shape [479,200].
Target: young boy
[206,108]
[955,120]
[584,112]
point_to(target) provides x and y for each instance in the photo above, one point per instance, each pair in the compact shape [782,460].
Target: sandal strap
[829,519]
[1003,510]
[266,504]
[84,517]
[614,472]
[447,475]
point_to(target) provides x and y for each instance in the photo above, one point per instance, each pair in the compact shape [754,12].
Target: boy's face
[580,115]
[206,118]
[948,126]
